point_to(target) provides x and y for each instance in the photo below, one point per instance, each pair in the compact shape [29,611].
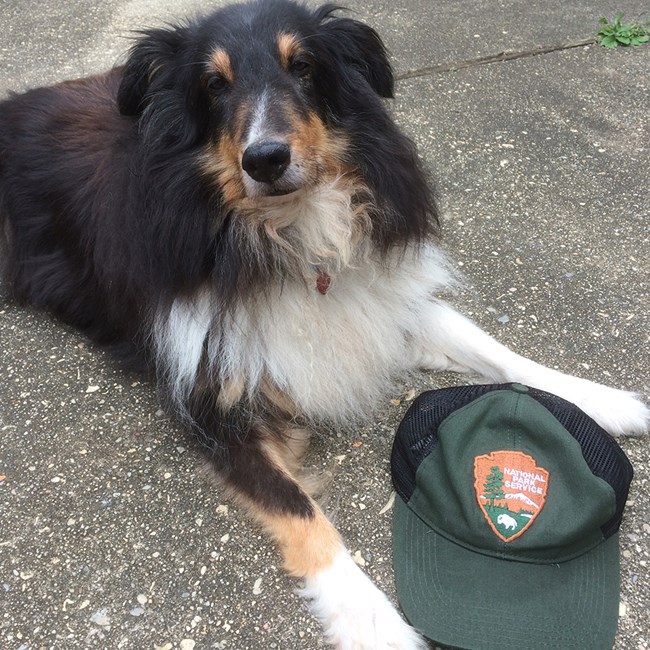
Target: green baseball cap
[505,532]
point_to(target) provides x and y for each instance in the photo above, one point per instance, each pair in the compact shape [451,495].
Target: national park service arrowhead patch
[511,491]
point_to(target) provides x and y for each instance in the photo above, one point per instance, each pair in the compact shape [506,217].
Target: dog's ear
[148,58]
[361,47]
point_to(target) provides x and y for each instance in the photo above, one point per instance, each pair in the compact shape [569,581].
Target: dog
[236,209]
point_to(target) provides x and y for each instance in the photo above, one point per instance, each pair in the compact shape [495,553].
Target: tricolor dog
[236,208]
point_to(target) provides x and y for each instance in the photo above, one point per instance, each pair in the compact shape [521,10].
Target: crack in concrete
[507,55]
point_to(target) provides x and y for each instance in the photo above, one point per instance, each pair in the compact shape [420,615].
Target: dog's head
[264,89]
[272,98]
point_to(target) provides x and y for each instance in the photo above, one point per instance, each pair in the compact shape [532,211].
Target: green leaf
[617,32]
[637,40]
[609,41]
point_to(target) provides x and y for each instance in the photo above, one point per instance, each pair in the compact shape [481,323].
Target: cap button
[519,388]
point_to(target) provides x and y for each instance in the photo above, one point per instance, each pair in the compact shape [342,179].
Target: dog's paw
[355,615]
[619,412]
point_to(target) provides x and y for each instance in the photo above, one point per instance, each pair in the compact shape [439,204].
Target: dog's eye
[300,68]
[217,83]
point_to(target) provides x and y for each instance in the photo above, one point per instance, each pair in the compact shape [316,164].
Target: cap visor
[476,602]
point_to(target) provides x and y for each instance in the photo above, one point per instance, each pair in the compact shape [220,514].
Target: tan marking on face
[318,155]
[221,162]
[288,47]
[221,63]
[319,151]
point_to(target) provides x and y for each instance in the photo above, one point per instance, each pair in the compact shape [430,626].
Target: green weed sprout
[616,33]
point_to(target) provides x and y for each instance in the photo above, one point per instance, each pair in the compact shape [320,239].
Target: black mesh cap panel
[417,436]
[601,453]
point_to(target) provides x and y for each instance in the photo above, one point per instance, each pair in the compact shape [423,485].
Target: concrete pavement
[111,536]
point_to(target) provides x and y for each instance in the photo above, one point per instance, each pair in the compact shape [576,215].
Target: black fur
[108,215]
[105,208]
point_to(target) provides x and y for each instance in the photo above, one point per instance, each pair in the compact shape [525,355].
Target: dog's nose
[265,162]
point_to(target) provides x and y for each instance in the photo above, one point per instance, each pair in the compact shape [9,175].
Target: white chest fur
[334,355]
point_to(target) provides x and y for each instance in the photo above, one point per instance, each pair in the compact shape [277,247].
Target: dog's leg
[449,341]
[355,614]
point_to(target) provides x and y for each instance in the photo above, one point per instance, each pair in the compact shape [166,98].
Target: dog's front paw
[355,615]
[622,413]
[619,412]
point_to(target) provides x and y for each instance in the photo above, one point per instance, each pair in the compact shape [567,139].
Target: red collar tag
[323,282]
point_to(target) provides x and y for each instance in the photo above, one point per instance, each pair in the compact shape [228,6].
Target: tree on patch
[492,488]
